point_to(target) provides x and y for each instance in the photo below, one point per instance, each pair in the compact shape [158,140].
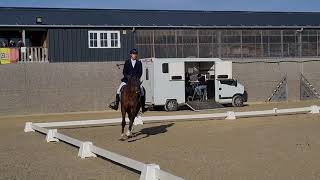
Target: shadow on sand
[150,131]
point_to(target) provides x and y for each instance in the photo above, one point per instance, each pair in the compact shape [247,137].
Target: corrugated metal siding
[71,45]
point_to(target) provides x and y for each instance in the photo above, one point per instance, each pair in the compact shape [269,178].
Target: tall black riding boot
[115,105]
[143,104]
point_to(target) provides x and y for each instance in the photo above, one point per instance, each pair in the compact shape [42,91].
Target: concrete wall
[57,87]
[260,78]
[67,87]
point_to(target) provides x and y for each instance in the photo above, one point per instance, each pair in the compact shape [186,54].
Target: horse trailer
[171,82]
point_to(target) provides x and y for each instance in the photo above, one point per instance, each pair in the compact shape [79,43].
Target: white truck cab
[228,90]
[168,82]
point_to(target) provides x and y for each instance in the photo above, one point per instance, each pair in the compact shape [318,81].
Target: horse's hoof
[123,137]
[128,134]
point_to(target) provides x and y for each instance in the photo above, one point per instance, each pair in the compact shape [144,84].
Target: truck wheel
[237,101]
[171,105]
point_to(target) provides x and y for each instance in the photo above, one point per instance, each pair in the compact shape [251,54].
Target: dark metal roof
[149,18]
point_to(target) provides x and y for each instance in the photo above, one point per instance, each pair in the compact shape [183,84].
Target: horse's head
[134,85]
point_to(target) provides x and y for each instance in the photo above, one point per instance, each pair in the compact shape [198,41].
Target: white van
[167,81]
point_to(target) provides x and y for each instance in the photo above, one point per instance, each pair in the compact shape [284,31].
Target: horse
[130,103]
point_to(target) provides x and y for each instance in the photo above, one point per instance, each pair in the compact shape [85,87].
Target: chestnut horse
[130,103]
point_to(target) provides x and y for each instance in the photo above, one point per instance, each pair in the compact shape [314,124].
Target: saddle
[126,85]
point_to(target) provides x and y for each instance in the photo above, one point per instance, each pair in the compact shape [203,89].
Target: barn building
[76,35]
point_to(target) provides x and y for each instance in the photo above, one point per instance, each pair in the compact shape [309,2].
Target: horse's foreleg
[131,124]
[131,119]
[123,123]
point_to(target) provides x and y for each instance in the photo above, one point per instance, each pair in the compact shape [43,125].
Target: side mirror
[236,83]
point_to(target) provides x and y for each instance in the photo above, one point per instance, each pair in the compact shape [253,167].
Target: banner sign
[9,55]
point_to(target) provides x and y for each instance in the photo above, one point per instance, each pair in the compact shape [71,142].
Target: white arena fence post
[51,135]
[85,150]
[231,115]
[28,127]
[275,111]
[314,109]
[138,121]
[149,172]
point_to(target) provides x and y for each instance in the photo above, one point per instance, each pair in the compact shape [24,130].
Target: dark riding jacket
[129,71]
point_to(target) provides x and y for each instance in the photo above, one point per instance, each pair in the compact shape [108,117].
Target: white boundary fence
[148,171]
[87,149]
[226,115]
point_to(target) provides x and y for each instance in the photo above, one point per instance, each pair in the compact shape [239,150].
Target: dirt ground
[279,147]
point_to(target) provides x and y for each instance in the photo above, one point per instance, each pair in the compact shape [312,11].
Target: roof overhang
[180,27]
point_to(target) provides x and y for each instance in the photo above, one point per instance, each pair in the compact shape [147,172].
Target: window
[230,82]
[223,76]
[165,68]
[104,39]
[93,40]
[147,74]
[114,39]
[176,77]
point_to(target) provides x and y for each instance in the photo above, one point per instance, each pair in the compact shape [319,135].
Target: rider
[132,67]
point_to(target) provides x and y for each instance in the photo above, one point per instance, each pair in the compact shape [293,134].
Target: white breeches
[123,83]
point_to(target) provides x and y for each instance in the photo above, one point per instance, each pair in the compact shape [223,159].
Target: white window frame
[108,39]
[89,39]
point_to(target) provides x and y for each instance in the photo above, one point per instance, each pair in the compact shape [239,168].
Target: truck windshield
[230,82]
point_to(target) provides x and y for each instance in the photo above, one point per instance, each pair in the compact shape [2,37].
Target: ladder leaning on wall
[280,93]
[307,90]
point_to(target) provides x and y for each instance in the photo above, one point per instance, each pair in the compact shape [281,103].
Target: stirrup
[113,106]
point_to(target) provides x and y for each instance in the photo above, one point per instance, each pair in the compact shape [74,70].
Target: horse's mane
[133,82]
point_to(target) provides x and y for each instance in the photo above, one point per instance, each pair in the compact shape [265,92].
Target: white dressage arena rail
[148,171]
[226,115]
[87,149]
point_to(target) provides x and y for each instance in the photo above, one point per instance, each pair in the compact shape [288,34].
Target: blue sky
[237,5]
